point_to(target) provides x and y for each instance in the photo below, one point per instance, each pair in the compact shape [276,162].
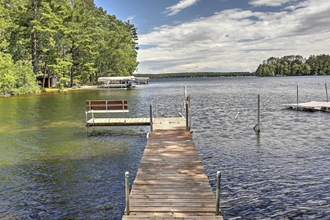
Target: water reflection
[89,184]
[50,168]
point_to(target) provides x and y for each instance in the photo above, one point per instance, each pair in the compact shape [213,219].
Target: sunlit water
[50,168]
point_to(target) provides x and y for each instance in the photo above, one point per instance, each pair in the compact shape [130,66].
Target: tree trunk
[34,40]
[49,80]
[71,76]
[43,80]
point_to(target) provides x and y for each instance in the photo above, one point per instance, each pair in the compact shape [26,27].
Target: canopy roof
[121,78]
[116,78]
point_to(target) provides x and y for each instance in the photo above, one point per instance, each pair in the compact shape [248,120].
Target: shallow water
[50,168]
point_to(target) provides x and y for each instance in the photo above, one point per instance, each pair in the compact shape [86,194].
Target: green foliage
[7,75]
[4,27]
[64,80]
[73,39]
[16,78]
[295,66]
[60,86]
[25,79]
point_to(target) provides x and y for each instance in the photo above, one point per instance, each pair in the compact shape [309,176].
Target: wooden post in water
[217,206]
[259,112]
[185,94]
[187,113]
[127,192]
[257,127]
[190,115]
[297,97]
[326,92]
[151,120]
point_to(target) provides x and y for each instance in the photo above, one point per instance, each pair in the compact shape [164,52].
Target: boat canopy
[116,78]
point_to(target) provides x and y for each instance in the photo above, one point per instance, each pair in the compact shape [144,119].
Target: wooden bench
[113,106]
[105,106]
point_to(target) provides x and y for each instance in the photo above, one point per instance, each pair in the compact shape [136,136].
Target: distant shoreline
[195,74]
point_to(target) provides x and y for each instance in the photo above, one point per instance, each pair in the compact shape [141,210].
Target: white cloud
[174,9]
[237,40]
[273,3]
[130,18]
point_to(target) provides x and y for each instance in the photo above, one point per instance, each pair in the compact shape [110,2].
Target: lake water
[50,168]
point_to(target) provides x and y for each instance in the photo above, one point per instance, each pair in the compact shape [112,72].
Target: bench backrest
[107,105]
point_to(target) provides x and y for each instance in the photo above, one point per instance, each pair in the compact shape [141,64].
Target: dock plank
[171,182]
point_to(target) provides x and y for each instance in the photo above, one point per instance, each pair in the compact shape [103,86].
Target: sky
[222,35]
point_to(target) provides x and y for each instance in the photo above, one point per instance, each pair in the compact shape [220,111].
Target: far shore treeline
[195,74]
[72,40]
[295,65]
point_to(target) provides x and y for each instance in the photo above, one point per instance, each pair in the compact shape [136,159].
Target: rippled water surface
[50,168]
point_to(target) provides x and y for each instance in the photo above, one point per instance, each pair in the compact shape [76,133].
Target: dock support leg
[259,112]
[151,119]
[297,97]
[127,192]
[187,115]
[190,115]
[257,127]
[217,206]
[326,92]
[184,98]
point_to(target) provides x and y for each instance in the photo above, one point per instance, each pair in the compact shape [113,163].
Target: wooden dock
[309,106]
[118,122]
[171,182]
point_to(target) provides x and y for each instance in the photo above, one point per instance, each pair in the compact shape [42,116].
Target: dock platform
[310,106]
[117,122]
[171,182]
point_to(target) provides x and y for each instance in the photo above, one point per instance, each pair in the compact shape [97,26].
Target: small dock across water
[171,182]
[309,106]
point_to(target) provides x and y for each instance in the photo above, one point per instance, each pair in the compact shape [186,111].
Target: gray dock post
[185,95]
[86,123]
[297,97]
[187,112]
[259,112]
[257,127]
[326,92]
[151,120]
[217,206]
[190,115]
[127,192]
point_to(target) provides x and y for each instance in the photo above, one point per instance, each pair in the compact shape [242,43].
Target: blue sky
[222,35]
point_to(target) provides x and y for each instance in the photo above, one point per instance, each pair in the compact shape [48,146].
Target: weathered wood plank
[173,209]
[174,216]
[171,200]
[199,196]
